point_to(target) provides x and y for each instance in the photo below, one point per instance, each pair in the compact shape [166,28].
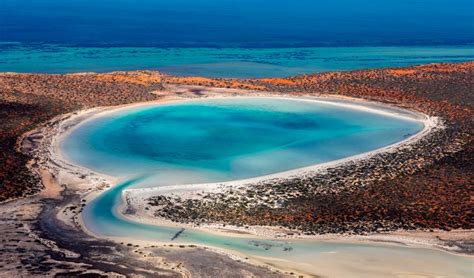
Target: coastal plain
[422,193]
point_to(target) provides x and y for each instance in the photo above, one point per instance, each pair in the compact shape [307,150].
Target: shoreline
[66,123]
[188,191]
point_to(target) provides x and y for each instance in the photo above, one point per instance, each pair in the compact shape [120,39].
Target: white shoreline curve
[67,123]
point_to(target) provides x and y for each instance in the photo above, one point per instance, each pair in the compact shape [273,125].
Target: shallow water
[216,140]
[221,62]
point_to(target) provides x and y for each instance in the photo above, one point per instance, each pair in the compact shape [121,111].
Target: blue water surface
[220,139]
[237,23]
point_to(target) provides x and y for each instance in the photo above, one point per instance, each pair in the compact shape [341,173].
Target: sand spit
[137,200]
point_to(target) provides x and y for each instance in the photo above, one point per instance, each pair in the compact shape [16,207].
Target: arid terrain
[425,187]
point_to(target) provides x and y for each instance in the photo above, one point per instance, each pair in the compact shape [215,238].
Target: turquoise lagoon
[223,139]
[234,138]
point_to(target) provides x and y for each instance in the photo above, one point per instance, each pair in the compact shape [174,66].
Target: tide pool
[233,138]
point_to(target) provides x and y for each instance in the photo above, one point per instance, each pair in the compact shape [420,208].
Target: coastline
[29,217]
[57,167]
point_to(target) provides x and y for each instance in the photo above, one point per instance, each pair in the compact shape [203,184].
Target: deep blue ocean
[244,38]
[242,23]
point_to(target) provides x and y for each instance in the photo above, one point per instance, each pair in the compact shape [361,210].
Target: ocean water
[227,38]
[221,62]
[222,139]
